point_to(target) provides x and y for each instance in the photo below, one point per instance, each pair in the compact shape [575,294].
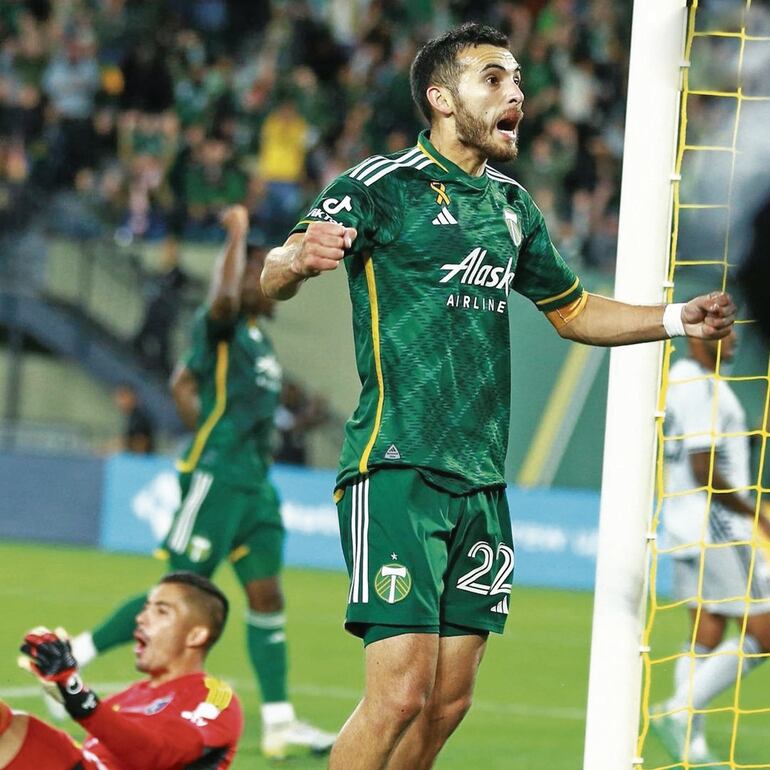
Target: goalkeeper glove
[48,656]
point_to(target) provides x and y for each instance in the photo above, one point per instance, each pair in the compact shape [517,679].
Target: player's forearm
[279,279]
[701,462]
[139,747]
[225,297]
[184,390]
[607,322]
[188,408]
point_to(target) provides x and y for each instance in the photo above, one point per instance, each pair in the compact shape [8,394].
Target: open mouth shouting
[507,125]
[141,643]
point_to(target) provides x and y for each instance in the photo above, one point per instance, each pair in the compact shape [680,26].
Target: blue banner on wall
[555,530]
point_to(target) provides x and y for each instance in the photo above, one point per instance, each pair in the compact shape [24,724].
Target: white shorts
[726,589]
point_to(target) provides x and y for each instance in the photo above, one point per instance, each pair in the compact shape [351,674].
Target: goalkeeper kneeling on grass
[176,718]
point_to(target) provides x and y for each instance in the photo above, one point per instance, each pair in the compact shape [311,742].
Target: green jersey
[436,255]
[239,382]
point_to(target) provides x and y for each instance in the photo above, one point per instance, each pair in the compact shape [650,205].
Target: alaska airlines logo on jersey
[476,273]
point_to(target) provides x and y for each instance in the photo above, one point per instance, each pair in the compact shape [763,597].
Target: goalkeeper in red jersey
[177,718]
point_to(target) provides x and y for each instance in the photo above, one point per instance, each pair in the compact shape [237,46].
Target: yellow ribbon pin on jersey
[440,190]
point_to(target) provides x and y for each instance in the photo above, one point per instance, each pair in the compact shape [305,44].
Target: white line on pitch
[338,693]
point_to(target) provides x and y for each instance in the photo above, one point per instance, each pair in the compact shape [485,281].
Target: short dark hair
[436,61]
[206,597]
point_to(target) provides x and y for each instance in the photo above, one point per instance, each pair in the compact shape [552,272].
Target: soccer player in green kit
[227,390]
[433,239]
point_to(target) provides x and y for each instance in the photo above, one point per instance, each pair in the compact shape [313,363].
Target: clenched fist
[709,316]
[323,248]
[235,219]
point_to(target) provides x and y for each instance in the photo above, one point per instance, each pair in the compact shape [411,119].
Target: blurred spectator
[297,414]
[211,182]
[163,297]
[158,115]
[284,143]
[147,83]
[147,146]
[71,82]
[139,431]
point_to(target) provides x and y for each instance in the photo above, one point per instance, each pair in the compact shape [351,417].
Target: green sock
[120,626]
[266,640]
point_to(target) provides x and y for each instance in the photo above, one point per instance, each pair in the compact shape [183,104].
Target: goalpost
[689,187]
[652,117]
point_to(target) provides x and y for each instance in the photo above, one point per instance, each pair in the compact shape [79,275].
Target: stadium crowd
[144,119]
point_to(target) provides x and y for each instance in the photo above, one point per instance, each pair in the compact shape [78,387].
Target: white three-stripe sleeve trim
[383,164]
[498,177]
[370,166]
[410,159]
[364,163]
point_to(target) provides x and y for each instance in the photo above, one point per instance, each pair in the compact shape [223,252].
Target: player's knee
[265,596]
[449,713]
[401,704]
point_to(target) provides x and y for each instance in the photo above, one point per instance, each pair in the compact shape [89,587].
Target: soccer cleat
[294,739]
[671,730]
[699,751]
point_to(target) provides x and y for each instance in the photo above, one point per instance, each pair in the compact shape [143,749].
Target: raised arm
[225,293]
[597,320]
[304,255]
[184,389]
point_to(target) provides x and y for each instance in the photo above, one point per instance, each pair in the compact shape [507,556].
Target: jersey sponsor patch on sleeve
[219,693]
[202,714]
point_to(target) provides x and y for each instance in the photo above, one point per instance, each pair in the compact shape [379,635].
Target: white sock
[83,648]
[684,665]
[277,713]
[717,673]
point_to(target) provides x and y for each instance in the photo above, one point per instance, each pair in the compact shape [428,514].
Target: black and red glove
[48,655]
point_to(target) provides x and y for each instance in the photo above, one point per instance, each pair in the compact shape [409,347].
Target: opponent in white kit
[701,411]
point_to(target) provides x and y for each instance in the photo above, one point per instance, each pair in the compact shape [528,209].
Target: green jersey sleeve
[348,202]
[541,274]
[204,336]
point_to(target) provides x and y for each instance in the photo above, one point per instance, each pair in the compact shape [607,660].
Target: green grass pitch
[530,699]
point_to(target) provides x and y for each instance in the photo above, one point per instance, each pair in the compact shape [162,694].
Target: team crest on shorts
[393,583]
[199,548]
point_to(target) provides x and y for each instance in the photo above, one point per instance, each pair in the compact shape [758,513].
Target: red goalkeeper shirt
[192,721]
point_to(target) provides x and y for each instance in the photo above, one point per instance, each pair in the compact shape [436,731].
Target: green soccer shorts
[217,521]
[420,556]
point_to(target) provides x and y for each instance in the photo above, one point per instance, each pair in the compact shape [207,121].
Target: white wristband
[672,320]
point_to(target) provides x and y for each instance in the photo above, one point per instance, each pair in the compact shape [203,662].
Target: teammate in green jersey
[433,240]
[227,390]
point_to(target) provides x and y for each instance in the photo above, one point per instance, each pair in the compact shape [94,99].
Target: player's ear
[198,636]
[440,98]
